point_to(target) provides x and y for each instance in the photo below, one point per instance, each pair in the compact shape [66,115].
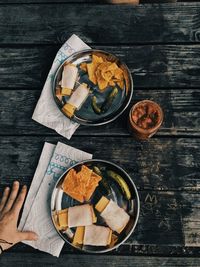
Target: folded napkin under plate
[36,216]
[46,111]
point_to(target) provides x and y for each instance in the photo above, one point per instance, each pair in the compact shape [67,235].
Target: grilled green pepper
[108,102]
[123,185]
[95,107]
[97,170]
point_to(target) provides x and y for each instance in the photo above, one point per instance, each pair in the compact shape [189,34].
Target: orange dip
[145,118]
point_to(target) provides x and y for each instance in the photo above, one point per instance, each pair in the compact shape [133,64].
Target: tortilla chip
[81,185]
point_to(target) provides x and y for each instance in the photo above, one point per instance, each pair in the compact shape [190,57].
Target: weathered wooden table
[161,46]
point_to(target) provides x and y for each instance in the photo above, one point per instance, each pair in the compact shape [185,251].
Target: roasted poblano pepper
[95,106]
[108,102]
[123,185]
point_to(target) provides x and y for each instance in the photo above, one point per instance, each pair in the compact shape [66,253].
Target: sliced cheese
[94,218]
[68,109]
[114,240]
[58,93]
[63,218]
[115,217]
[66,91]
[81,215]
[79,235]
[97,235]
[103,202]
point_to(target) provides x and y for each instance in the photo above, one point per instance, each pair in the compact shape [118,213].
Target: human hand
[10,206]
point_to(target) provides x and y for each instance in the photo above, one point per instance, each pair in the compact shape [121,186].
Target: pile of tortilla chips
[81,185]
[103,72]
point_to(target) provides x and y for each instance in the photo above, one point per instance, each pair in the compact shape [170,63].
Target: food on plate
[115,217]
[81,185]
[106,104]
[58,93]
[109,100]
[95,106]
[103,72]
[93,235]
[123,185]
[114,240]
[76,100]
[74,216]
[69,76]
[81,215]
[60,219]
[101,205]
[79,235]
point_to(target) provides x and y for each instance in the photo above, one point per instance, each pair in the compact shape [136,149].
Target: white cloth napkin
[46,111]
[36,216]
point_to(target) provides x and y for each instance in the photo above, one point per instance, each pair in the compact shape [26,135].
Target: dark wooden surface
[161,46]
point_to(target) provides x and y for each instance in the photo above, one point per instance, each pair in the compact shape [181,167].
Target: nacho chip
[103,72]
[81,185]
[91,72]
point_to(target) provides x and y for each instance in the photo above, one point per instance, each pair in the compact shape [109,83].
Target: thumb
[31,236]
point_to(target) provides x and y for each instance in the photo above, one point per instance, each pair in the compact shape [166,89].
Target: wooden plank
[167,218]
[22,260]
[155,66]
[87,1]
[181,110]
[157,164]
[169,223]
[47,24]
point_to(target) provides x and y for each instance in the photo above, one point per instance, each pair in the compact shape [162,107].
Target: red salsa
[145,116]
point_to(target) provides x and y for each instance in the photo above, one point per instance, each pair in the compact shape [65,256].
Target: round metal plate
[110,189]
[85,115]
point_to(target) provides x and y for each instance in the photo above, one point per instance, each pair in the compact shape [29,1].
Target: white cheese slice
[79,96]
[115,217]
[96,235]
[80,216]
[69,76]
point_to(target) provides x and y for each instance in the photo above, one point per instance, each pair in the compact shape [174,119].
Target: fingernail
[16,182]
[24,187]
[7,188]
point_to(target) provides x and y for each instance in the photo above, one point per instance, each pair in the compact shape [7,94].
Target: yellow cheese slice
[103,202]
[56,222]
[114,240]
[66,91]
[110,237]
[94,218]
[79,235]
[68,109]
[63,218]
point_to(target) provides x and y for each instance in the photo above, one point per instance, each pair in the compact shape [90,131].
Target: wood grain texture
[157,164]
[47,24]
[85,1]
[181,114]
[24,260]
[167,219]
[158,66]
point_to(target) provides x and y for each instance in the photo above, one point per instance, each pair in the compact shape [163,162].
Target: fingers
[4,198]
[31,236]
[12,197]
[19,201]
